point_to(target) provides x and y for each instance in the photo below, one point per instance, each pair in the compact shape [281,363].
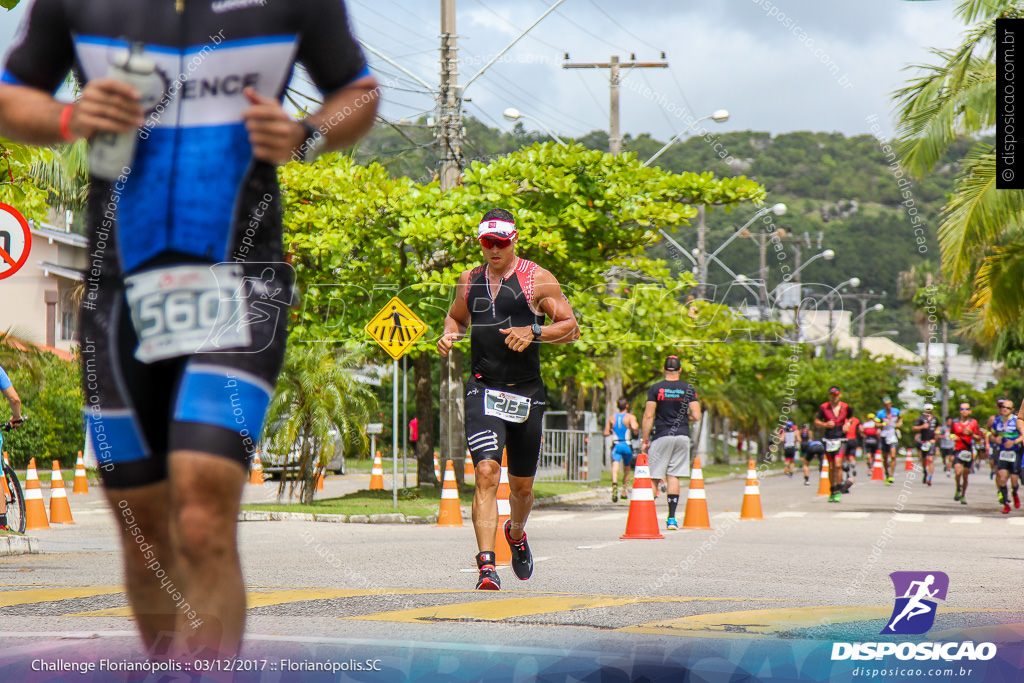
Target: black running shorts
[137,413]
[488,435]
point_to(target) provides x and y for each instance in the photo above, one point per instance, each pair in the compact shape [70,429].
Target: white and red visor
[496,229]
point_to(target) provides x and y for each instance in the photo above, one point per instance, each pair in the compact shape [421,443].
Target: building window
[68,316]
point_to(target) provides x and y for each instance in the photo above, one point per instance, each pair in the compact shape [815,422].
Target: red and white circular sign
[15,240]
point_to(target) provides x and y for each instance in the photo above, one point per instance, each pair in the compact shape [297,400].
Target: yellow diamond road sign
[395,328]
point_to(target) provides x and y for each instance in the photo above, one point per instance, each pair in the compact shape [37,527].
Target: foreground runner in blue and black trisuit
[184,314]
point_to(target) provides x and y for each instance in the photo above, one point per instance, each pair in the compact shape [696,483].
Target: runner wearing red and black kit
[832,417]
[504,304]
[966,432]
[850,446]
[869,429]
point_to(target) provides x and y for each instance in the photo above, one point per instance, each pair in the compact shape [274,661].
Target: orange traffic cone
[642,521]
[824,483]
[751,496]
[60,510]
[35,510]
[909,466]
[81,480]
[256,471]
[320,481]
[449,514]
[377,474]
[877,474]
[469,472]
[437,468]
[696,516]
[502,553]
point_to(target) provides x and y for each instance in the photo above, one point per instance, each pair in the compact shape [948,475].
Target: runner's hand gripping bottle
[111,153]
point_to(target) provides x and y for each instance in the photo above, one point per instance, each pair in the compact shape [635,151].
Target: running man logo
[914,613]
[396,328]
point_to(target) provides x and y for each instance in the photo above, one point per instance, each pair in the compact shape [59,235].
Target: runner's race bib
[965,456]
[926,446]
[182,310]
[890,440]
[946,443]
[869,424]
[506,406]
[832,445]
[1008,456]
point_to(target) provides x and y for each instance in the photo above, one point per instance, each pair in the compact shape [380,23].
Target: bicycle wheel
[15,502]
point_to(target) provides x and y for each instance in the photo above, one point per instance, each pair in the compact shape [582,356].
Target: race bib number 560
[182,310]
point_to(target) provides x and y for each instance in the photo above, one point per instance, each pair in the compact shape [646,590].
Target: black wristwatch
[537,331]
[313,145]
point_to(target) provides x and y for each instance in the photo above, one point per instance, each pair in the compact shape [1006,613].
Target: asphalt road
[811,570]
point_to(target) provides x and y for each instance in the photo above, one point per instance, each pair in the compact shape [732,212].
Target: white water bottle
[111,153]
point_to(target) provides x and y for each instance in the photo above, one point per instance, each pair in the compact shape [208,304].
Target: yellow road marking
[506,608]
[496,610]
[278,597]
[10,598]
[757,623]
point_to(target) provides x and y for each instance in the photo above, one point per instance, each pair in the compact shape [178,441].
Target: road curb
[18,545]
[383,518]
[399,518]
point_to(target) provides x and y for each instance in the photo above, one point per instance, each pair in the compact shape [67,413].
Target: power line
[389,20]
[590,33]
[622,27]
[519,30]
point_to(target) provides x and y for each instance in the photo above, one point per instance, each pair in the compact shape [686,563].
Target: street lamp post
[513,114]
[860,332]
[719,116]
[830,297]
[792,281]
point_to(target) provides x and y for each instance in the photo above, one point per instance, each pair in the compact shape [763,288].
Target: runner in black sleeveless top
[505,302]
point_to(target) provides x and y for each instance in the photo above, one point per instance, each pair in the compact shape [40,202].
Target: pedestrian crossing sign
[396,328]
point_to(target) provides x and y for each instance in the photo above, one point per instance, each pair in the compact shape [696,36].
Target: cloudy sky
[777,66]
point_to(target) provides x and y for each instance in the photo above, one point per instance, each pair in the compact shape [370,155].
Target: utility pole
[863,298]
[615,66]
[613,382]
[702,258]
[449,138]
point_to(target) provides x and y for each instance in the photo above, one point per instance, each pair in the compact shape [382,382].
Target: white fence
[570,455]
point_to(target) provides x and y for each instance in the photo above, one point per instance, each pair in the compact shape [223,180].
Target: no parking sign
[15,240]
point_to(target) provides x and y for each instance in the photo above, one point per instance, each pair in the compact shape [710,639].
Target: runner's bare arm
[608,425]
[648,419]
[457,321]
[633,424]
[34,117]
[15,401]
[547,297]
[346,116]
[694,411]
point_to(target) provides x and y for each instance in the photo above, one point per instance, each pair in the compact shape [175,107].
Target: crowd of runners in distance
[963,446]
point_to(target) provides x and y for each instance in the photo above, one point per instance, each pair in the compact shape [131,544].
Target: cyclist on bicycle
[7,387]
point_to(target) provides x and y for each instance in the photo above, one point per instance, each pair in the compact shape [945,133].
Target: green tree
[980,234]
[316,402]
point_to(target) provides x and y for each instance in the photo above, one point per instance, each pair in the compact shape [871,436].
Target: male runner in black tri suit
[175,401]
[504,303]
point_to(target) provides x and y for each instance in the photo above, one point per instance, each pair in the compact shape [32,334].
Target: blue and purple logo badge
[916,592]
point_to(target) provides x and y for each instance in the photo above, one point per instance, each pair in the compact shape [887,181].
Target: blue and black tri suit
[494,366]
[621,450]
[1006,452]
[194,194]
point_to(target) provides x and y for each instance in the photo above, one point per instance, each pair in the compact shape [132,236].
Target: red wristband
[65,124]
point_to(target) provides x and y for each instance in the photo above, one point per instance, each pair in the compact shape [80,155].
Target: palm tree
[64,175]
[980,231]
[317,401]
